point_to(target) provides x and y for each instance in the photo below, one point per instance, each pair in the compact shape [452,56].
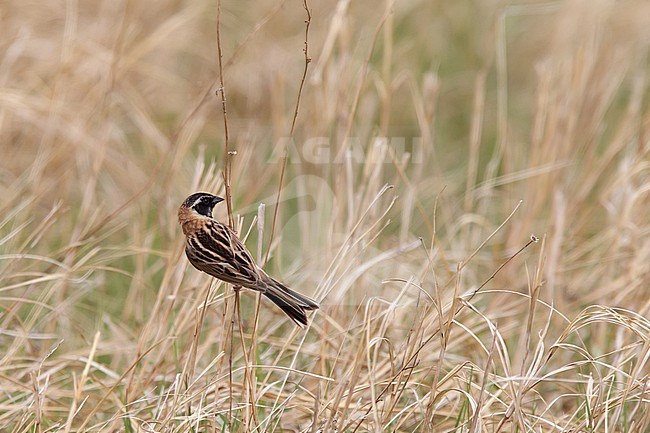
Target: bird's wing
[217,251]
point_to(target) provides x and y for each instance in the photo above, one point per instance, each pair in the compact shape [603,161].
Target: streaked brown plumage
[214,248]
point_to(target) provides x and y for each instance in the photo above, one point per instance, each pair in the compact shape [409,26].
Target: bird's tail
[294,304]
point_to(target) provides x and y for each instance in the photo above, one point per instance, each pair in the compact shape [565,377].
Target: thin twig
[412,360]
[533,240]
[248,369]
[230,360]
[119,381]
[486,240]
[226,180]
[222,91]
[304,72]
[293,125]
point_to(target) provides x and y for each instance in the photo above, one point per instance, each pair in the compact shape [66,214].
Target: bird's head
[201,203]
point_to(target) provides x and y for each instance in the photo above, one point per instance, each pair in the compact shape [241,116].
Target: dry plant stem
[178,156]
[533,240]
[471,256]
[386,71]
[314,423]
[118,382]
[407,182]
[230,359]
[279,408]
[304,72]
[474,147]
[364,72]
[80,384]
[534,290]
[438,307]
[349,240]
[248,371]
[73,120]
[222,91]
[455,310]
[93,230]
[226,178]
[190,363]
[252,351]
[475,425]
[293,125]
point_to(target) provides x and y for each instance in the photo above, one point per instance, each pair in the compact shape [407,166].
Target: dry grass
[109,118]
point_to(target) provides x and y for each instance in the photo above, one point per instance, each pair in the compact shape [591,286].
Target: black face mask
[203,209]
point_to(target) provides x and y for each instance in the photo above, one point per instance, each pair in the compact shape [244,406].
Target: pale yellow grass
[438,312]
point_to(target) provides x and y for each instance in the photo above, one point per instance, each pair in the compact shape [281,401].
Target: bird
[214,248]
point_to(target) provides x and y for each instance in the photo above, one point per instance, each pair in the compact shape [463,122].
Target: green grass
[533,119]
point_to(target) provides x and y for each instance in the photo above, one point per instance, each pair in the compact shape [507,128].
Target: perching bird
[214,248]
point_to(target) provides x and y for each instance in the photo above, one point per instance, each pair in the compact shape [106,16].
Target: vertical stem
[226,180]
[222,91]
[293,125]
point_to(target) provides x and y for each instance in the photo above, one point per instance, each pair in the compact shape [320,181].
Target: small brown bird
[214,248]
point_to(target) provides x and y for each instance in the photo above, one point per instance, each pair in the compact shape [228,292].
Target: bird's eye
[203,206]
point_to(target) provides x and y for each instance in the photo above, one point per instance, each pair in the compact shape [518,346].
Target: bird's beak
[216,200]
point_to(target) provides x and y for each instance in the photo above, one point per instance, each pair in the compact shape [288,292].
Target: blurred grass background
[109,119]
